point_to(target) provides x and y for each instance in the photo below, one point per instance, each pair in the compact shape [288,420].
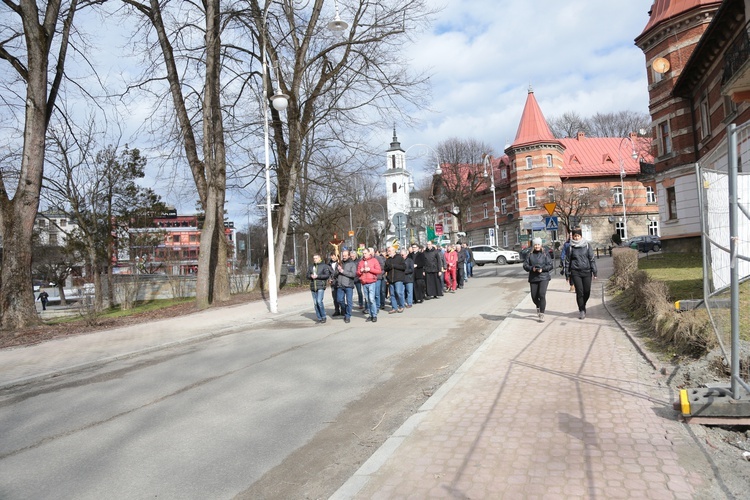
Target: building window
[513,166]
[730,107]
[653,227]
[665,141]
[531,198]
[551,194]
[505,239]
[194,238]
[518,236]
[671,204]
[549,161]
[503,206]
[515,202]
[617,195]
[42,223]
[175,238]
[468,214]
[503,173]
[705,116]
[486,211]
[63,222]
[528,163]
[394,188]
[620,229]
[650,194]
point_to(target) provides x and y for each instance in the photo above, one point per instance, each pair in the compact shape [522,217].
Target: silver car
[485,254]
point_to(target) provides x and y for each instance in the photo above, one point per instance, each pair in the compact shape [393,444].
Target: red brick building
[699,81]
[538,168]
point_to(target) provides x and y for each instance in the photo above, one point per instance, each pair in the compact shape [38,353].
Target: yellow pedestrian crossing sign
[550,223]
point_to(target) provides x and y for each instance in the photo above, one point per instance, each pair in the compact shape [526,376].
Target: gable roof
[532,127]
[600,156]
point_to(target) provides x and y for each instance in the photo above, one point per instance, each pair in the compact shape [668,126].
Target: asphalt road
[286,410]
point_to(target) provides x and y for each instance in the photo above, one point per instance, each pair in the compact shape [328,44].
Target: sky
[483,56]
[577,56]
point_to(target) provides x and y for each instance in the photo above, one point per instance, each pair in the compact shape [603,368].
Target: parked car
[646,243]
[485,254]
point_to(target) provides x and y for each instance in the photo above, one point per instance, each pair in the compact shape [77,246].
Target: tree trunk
[18,310]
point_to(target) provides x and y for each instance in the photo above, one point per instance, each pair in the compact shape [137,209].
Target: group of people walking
[405,276]
[579,268]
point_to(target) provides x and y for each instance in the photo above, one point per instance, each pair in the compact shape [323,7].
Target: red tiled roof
[663,10]
[598,156]
[532,127]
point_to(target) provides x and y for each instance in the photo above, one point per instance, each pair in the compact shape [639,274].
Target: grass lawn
[683,275]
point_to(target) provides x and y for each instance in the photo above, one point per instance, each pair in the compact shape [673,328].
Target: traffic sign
[550,207]
[550,223]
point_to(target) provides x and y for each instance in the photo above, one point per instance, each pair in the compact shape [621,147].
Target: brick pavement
[561,409]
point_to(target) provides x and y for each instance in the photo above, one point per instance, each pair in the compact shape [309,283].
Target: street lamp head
[634,155]
[280,100]
[438,170]
[337,24]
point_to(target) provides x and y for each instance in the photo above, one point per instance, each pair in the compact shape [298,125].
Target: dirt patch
[43,333]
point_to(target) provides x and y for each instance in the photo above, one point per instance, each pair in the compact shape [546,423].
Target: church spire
[395,145]
[533,127]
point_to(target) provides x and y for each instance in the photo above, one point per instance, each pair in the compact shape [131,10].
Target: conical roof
[533,127]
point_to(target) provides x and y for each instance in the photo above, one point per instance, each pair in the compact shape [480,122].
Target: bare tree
[618,124]
[462,179]
[34,45]
[574,202]
[568,125]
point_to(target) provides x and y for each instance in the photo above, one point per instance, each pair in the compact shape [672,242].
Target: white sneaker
[541,317]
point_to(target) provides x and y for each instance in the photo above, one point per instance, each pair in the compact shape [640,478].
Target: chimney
[581,135]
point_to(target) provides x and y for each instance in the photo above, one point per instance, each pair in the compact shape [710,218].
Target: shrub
[686,333]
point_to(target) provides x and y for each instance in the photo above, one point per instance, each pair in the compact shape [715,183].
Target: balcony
[736,78]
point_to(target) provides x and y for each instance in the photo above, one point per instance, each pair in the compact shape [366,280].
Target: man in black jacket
[433,270]
[318,274]
[345,276]
[394,275]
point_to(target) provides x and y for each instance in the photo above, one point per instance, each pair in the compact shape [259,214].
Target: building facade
[588,182]
[53,228]
[699,82]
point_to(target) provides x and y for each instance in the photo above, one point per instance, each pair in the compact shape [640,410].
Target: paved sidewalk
[561,409]
[20,365]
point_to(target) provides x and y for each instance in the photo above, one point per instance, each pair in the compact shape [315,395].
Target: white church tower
[398,180]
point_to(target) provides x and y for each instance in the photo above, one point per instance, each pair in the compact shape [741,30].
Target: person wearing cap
[538,264]
[581,266]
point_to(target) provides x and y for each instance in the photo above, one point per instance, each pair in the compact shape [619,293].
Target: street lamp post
[280,102]
[634,155]
[488,165]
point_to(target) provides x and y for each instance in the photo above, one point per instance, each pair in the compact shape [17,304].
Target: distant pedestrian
[334,264]
[582,268]
[408,277]
[318,274]
[347,272]
[451,263]
[420,285]
[368,271]
[433,269]
[538,264]
[43,298]
[395,267]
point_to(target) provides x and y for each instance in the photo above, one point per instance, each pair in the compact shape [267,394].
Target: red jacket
[451,258]
[371,276]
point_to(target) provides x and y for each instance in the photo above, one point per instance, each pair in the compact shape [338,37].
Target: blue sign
[550,223]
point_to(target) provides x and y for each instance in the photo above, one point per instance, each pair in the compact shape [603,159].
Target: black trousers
[583,289]
[539,294]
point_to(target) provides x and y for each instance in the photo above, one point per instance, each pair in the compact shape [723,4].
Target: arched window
[394,187]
